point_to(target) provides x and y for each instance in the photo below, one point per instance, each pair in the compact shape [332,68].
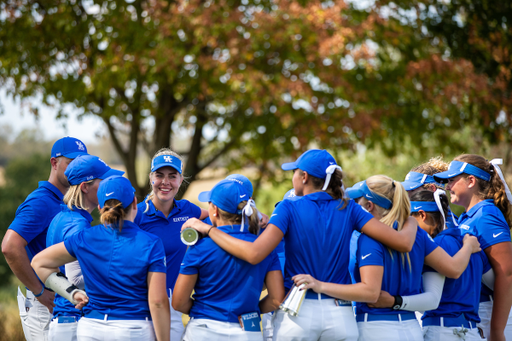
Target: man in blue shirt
[26,237]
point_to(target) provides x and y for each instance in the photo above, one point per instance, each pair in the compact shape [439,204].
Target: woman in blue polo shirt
[317,227]
[123,269]
[380,268]
[84,174]
[226,304]
[163,215]
[479,186]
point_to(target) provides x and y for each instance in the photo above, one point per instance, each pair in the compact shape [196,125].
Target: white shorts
[317,320]
[436,333]
[408,330]
[60,331]
[177,327]
[90,329]
[35,317]
[485,314]
[211,330]
[267,326]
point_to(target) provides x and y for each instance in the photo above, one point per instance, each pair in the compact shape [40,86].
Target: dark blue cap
[226,195]
[458,167]
[116,187]
[166,161]
[242,180]
[415,180]
[315,162]
[68,147]
[88,167]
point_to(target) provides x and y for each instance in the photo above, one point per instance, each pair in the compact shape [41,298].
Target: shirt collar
[317,196]
[231,229]
[474,209]
[153,211]
[49,186]
[84,213]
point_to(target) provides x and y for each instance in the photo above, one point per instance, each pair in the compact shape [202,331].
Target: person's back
[236,290]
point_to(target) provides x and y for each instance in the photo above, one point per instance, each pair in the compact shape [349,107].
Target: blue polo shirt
[400,277]
[168,230]
[462,295]
[115,268]
[485,221]
[317,236]
[66,223]
[226,286]
[34,215]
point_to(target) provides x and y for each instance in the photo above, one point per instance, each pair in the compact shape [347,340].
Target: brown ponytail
[113,214]
[492,189]
[334,187]
[236,219]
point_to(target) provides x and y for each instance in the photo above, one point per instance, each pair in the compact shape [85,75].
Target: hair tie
[437,198]
[495,163]
[247,211]
[393,183]
[329,171]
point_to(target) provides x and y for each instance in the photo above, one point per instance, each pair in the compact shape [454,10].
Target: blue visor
[355,192]
[457,168]
[375,198]
[415,180]
[166,161]
[427,206]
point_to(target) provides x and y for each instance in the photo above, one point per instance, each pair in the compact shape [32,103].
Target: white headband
[495,163]
[247,211]
[329,171]
[437,193]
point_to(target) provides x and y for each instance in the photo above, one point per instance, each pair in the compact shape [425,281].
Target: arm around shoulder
[401,241]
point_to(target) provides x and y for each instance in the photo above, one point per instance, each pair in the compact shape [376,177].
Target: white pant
[35,317]
[115,330]
[317,320]
[177,327]
[62,331]
[408,330]
[211,330]
[267,326]
[438,333]
[485,313]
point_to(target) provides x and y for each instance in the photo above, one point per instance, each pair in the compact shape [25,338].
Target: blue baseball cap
[68,147]
[415,180]
[242,180]
[315,162]
[355,192]
[166,161]
[116,187]
[88,167]
[226,195]
[457,168]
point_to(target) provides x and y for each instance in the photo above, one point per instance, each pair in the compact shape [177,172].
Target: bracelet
[38,295]
[210,230]
[398,302]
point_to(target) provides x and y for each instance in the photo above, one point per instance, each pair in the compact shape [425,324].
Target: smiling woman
[162,215]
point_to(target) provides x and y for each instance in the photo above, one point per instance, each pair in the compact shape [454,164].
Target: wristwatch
[398,302]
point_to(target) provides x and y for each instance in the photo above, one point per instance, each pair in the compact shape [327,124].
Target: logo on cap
[167,159]
[80,145]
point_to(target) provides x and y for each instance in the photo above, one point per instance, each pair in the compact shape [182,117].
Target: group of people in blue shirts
[367,259]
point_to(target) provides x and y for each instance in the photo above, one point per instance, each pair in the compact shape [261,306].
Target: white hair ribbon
[495,163]
[437,193]
[329,172]
[247,211]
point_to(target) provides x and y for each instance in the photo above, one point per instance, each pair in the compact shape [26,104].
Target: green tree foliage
[249,81]
[21,177]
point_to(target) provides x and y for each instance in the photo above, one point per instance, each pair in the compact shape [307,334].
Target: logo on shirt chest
[180,219]
[465,227]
